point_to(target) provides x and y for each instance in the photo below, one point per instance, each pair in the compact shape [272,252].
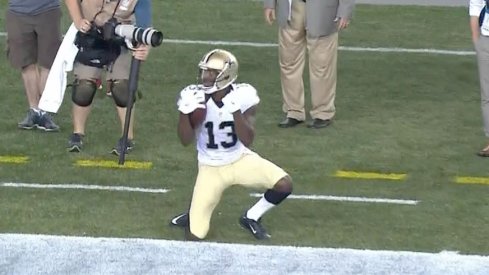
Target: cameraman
[89,17]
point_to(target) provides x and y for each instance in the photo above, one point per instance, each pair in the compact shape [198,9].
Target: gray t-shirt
[32,7]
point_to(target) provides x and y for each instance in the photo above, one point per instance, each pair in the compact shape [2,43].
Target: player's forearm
[185,131]
[244,131]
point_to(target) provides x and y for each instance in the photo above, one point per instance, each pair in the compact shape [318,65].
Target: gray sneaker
[30,121]
[75,143]
[46,123]
[117,150]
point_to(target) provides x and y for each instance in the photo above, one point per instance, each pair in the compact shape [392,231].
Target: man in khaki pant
[311,25]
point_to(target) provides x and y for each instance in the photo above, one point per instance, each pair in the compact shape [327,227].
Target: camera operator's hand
[141,52]
[83,25]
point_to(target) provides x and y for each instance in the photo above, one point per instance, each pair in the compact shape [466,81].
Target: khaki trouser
[482,48]
[293,42]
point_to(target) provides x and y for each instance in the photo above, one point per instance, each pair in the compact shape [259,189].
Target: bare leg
[30,76]
[43,77]
[80,116]
[122,117]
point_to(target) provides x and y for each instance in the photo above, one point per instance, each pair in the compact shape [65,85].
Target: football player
[223,139]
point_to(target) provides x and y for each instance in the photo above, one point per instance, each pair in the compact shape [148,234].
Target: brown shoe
[289,122]
[319,123]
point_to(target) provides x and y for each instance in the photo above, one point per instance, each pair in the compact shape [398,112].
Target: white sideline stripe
[44,254]
[152,190]
[83,187]
[350,199]
[404,50]
[343,48]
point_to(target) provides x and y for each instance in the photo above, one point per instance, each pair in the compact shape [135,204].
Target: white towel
[54,91]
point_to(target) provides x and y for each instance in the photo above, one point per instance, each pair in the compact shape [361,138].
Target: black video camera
[149,36]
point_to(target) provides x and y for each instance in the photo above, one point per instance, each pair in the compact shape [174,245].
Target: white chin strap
[208,90]
[213,89]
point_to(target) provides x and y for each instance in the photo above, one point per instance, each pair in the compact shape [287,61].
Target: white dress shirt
[475,8]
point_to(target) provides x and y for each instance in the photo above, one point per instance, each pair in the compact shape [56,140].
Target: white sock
[39,111]
[259,209]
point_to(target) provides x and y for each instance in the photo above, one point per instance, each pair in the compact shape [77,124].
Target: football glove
[231,102]
[188,106]
[190,99]
[193,92]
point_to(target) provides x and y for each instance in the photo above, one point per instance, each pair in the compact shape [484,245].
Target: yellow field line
[14,159]
[368,175]
[472,180]
[114,164]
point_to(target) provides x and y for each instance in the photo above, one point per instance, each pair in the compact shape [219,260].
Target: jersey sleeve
[249,96]
[475,7]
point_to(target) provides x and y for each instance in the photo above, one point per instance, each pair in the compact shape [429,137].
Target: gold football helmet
[226,66]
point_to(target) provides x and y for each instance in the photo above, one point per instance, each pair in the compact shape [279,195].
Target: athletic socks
[270,199]
[259,209]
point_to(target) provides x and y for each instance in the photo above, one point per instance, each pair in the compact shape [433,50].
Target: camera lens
[147,36]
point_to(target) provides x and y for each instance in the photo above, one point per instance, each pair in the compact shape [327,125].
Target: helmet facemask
[223,64]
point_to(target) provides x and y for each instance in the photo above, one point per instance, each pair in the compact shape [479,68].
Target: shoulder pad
[248,95]
[245,86]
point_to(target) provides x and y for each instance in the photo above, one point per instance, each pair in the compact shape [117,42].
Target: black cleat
[254,227]
[180,220]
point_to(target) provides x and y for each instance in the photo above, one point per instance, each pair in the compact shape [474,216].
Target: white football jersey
[217,142]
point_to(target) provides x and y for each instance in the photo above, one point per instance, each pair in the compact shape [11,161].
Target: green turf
[417,114]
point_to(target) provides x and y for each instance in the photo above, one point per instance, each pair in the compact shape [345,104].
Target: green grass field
[416,114]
